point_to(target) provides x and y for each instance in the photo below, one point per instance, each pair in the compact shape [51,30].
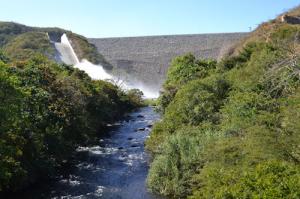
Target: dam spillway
[64,51]
[66,54]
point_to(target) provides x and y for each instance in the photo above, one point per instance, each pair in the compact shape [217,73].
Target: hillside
[230,129]
[146,59]
[20,42]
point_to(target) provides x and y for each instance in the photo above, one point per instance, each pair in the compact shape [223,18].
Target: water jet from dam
[94,71]
[66,54]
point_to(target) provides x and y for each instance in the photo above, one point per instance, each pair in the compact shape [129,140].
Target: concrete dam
[145,60]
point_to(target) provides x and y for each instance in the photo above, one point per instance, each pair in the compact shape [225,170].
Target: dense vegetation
[231,129]
[26,45]
[9,30]
[21,42]
[46,111]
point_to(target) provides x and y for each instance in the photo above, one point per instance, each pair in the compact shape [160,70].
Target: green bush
[181,156]
[28,45]
[199,101]
[46,111]
[270,179]
[3,57]
[182,70]
[136,97]
[290,135]
[244,110]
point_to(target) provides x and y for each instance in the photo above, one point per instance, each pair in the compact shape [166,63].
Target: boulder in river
[140,116]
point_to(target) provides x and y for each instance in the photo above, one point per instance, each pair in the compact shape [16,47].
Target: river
[115,168]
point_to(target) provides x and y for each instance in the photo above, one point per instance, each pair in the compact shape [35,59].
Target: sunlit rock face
[290,19]
[146,59]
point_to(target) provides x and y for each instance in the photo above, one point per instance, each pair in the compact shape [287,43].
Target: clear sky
[113,18]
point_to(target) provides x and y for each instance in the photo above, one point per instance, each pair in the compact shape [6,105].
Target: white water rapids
[67,55]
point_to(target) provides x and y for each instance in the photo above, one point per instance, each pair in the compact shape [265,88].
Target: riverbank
[116,167]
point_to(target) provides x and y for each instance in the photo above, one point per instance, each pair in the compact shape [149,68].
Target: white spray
[148,93]
[94,71]
[97,71]
[65,41]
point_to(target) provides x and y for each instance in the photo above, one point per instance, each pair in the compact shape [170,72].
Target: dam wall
[146,59]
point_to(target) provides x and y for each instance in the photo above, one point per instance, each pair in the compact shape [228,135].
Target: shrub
[28,45]
[46,111]
[182,70]
[269,179]
[178,161]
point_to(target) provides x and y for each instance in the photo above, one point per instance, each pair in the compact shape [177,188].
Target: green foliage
[186,68]
[182,70]
[171,169]
[269,179]
[46,111]
[3,57]
[180,156]
[245,110]
[231,130]
[28,45]
[10,141]
[135,96]
[237,61]
[290,137]
[195,103]
[10,30]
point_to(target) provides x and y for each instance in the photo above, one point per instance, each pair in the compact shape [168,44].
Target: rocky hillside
[148,58]
[20,42]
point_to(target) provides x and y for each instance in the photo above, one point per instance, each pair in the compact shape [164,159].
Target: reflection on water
[116,168]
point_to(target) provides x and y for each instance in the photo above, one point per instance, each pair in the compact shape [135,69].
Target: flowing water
[66,54]
[115,168]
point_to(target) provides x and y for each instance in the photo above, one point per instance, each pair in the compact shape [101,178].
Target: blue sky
[112,18]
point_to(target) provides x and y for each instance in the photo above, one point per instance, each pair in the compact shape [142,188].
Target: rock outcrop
[290,19]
